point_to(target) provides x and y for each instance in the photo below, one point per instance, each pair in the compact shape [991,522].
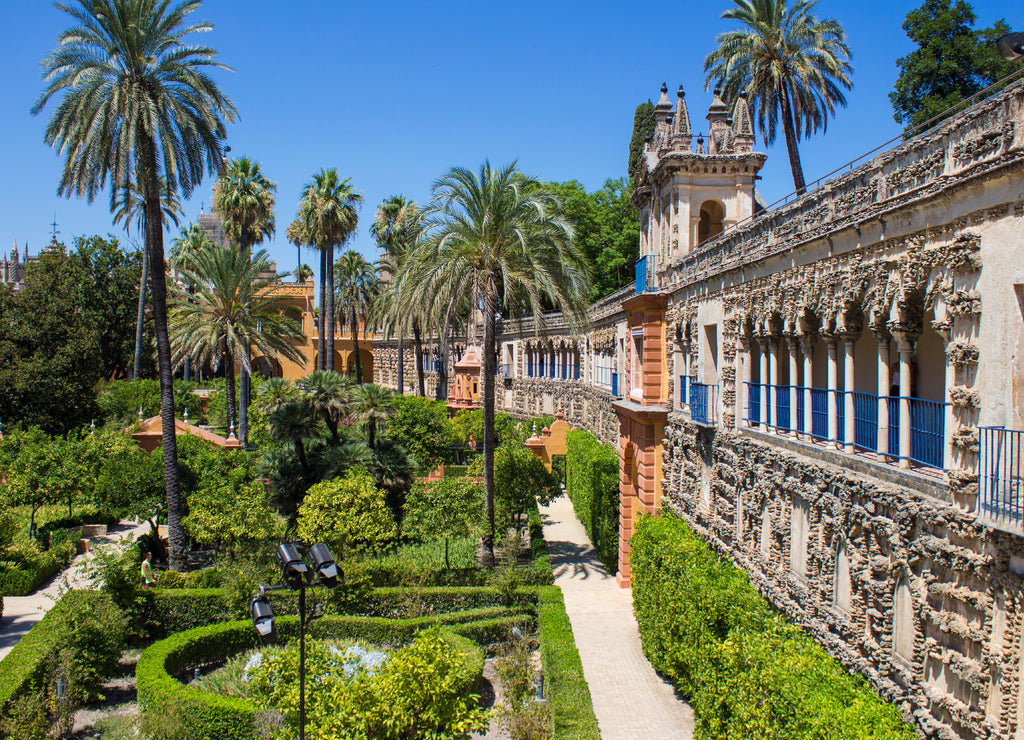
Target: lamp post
[297,575]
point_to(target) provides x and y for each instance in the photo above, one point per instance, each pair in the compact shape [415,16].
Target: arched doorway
[712,213]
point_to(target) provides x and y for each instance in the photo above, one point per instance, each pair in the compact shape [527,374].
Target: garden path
[22,613]
[630,700]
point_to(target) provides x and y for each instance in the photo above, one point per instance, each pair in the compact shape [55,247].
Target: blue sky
[393,94]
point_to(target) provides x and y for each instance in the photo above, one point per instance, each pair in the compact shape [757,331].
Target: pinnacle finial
[680,93]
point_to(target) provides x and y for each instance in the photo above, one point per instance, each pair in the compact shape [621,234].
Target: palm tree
[327,218]
[303,273]
[244,199]
[792,66]
[184,249]
[499,236]
[129,206]
[357,286]
[273,393]
[372,403]
[329,393]
[235,308]
[138,104]
[396,226]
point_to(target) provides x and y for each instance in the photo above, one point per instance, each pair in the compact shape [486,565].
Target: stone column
[848,386]
[883,392]
[762,345]
[833,382]
[905,347]
[794,389]
[807,345]
[742,379]
[773,382]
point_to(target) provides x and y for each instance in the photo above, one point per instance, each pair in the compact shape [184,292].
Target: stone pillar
[742,379]
[762,381]
[848,385]
[773,382]
[883,392]
[686,364]
[833,382]
[794,389]
[906,349]
[807,345]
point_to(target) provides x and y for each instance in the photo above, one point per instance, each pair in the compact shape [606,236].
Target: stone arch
[709,223]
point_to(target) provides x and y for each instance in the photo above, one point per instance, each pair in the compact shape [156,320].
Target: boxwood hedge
[746,671]
[592,483]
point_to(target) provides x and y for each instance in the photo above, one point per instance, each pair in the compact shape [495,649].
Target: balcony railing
[704,404]
[506,371]
[615,385]
[683,397]
[1001,478]
[645,274]
[927,419]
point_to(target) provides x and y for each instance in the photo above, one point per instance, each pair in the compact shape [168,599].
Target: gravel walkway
[630,700]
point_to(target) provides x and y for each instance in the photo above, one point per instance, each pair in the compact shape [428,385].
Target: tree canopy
[952,61]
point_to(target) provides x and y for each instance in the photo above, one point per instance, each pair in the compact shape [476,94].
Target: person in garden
[148,581]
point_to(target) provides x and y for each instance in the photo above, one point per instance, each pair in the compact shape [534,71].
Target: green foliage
[507,430]
[345,512]
[224,514]
[643,127]
[520,715]
[422,427]
[607,229]
[130,483]
[119,400]
[23,568]
[448,509]
[952,61]
[28,717]
[89,636]
[745,670]
[592,483]
[572,710]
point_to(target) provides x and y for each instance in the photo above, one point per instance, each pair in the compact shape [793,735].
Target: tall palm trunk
[229,389]
[155,245]
[244,372]
[143,285]
[329,318]
[488,403]
[401,364]
[421,383]
[355,349]
[321,361]
[791,144]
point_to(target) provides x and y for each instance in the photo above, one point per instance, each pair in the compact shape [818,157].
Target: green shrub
[572,711]
[746,671]
[88,638]
[24,569]
[592,483]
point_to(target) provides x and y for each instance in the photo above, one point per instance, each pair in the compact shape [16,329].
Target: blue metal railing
[645,274]
[704,404]
[927,419]
[683,380]
[540,368]
[615,384]
[529,369]
[506,371]
[576,371]
[1001,479]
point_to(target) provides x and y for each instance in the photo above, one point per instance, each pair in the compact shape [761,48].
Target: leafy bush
[119,400]
[23,568]
[345,512]
[422,427]
[746,671]
[592,483]
[89,637]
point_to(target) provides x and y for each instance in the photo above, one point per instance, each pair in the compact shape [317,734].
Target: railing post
[830,397]
[848,387]
[883,391]
[906,349]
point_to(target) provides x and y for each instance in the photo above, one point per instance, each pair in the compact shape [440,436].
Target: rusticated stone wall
[739,490]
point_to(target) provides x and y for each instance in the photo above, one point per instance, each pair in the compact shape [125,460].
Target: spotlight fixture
[1011,46]
[294,570]
[262,615]
[324,565]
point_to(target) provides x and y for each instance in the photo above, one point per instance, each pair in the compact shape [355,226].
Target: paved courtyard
[630,700]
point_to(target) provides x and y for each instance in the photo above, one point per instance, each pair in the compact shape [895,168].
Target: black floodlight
[324,565]
[1011,46]
[293,568]
[262,615]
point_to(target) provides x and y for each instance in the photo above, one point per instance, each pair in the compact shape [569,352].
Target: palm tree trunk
[401,365]
[229,392]
[139,327]
[321,362]
[791,145]
[355,347]
[421,382]
[330,319]
[488,403]
[155,244]
[244,396]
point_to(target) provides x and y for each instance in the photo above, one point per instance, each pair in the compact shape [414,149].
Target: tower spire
[681,133]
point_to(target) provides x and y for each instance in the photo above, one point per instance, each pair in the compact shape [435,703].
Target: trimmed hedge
[25,666]
[744,668]
[592,483]
[21,579]
[209,716]
[572,709]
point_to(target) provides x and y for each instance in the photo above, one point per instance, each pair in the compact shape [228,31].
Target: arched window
[903,621]
[841,581]
[712,213]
